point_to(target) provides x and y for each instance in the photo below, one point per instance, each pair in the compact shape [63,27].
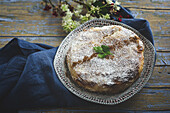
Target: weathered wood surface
[162,44]
[163,57]
[154,96]
[26,20]
[140,101]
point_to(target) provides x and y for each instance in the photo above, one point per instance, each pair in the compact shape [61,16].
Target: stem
[51,4]
[81,3]
[67,3]
[104,6]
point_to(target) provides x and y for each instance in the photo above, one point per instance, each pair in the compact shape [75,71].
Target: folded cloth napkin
[28,79]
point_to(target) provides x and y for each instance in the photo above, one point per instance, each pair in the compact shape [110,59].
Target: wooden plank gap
[35,36]
[161,65]
[148,8]
[164,51]
[157,87]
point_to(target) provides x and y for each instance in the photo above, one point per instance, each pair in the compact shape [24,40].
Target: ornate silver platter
[61,69]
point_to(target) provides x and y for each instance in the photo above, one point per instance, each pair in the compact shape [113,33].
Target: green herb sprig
[102,51]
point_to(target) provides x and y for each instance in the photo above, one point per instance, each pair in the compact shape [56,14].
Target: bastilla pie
[100,72]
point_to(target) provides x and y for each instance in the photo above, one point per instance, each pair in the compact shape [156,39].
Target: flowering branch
[72,17]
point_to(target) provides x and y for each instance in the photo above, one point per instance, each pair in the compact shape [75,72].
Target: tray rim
[91,99]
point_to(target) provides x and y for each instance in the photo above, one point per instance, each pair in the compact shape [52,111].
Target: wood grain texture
[140,101]
[154,96]
[37,22]
[157,12]
[27,20]
[148,4]
[52,41]
[163,57]
[160,78]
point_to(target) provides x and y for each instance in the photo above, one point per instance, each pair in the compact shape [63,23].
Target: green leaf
[98,49]
[101,55]
[102,51]
[105,48]
[109,53]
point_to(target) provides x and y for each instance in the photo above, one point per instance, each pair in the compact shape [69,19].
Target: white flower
[78,10]
[64,7]
[109,1]
[87,15]
[69,14]
[117,3]
[118,8]
[79,7]
[84,18]
[70,25]
[76,23]
[94,9]
[76,13]
[93,1]
[97,8]
[89,2]
[66,20]
[107,16]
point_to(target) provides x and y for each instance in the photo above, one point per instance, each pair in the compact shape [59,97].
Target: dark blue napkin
[28,79]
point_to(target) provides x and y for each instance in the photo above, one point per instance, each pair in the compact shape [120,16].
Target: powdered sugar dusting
[105,71]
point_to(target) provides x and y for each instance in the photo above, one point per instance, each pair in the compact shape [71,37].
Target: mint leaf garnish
[102,51]
[101,55]
[98,49]
[105,48]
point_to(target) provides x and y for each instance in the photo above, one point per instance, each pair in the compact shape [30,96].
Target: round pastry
[113,72]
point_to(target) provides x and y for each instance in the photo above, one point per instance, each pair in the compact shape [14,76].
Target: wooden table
[27,21]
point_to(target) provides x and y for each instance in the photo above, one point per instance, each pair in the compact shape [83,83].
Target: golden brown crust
[118,85]
[116,88]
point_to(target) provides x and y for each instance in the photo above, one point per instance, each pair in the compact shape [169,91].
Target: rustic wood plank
[160,26]
[149,3]
[28,18]
[160,78]
[50,40]
[41,23]
[159,4]
[162,43]
[146,99]
[159,73]
[157,12]
[154,96]
[158,20]
[14,24]
[163,58]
